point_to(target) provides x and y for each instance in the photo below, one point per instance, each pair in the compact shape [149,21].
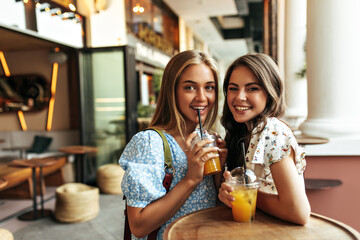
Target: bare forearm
[144,221]
[295,210]
[291,202]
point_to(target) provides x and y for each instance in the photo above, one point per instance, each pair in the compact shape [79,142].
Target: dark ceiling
[249,12]
[12,40]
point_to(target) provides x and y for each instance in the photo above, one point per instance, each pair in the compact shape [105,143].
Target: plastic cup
[244,206]
[212,165]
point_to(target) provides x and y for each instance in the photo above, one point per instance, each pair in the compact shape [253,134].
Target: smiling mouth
[242,108]
[198,108]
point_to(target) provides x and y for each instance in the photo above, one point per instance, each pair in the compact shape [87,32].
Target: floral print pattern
[143,162]
[270,146]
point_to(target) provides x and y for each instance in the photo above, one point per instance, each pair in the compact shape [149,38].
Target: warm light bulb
[72,7]
[25,1]
[138,8]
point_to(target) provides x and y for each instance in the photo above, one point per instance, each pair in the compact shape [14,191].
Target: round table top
[34,162]
[217,223]
[308,140]
[3,182]
[78,149]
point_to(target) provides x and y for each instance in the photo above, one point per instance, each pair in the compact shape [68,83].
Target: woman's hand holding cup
[197,154]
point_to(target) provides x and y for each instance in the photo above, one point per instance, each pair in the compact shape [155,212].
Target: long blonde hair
[167,115]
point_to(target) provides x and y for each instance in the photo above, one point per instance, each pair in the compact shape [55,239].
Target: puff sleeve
[143,163]
[272,145]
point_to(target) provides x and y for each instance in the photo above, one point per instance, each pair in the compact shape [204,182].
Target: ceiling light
[138,8]
[72,7]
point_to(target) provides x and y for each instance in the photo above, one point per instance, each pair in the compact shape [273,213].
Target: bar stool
[80,159]
[3,183]
[35,163]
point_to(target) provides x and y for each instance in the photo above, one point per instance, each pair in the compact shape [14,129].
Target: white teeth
[200,108]
[242,108]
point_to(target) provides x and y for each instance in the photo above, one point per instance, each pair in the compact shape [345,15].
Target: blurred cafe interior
[78,78]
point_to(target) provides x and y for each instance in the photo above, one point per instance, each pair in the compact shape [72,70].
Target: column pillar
[333,69]
[295,86]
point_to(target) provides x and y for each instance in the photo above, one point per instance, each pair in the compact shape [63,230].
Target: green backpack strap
[167,152]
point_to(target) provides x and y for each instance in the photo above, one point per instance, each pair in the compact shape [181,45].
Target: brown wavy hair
[267,73]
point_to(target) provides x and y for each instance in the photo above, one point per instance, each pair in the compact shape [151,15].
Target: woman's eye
[253,89]
[189,88]
[210,87]
[232,89]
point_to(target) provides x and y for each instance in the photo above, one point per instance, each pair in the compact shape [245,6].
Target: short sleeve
[143,163]
[272,145]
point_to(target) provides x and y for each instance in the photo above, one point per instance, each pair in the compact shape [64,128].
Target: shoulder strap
[166,183]
[167,152]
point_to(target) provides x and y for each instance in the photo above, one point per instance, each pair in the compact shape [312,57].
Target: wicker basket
[76,202]
[6,234]
[109,177]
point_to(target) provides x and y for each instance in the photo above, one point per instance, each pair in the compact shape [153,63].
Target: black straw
[244,155]
[201,131]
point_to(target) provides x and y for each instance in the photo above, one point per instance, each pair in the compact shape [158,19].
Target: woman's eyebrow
[188,81]
[193,82]
[253,83]
[247,84]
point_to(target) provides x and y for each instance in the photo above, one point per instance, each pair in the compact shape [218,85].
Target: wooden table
[80,158]
[35,163]
[308,140]
[216,223]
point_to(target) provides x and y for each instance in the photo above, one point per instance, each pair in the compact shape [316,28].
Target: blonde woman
[189,84]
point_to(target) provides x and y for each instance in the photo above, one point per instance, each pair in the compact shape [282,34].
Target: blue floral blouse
[143,163]
[270,146]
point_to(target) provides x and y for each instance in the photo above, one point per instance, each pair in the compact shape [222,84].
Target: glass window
[153,24]
[103,105]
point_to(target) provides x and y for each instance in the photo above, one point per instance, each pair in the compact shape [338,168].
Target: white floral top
[270,146]
[143,162]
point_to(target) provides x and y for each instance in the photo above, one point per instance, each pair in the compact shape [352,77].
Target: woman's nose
[242,95]
[201,95]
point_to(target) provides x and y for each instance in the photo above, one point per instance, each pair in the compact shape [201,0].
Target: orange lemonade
[243,208]
[212,166]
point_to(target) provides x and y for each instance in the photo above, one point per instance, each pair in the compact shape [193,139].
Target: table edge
[351,231]
[355,234]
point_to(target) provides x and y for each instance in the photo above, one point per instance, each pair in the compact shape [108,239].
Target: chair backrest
[40,144]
